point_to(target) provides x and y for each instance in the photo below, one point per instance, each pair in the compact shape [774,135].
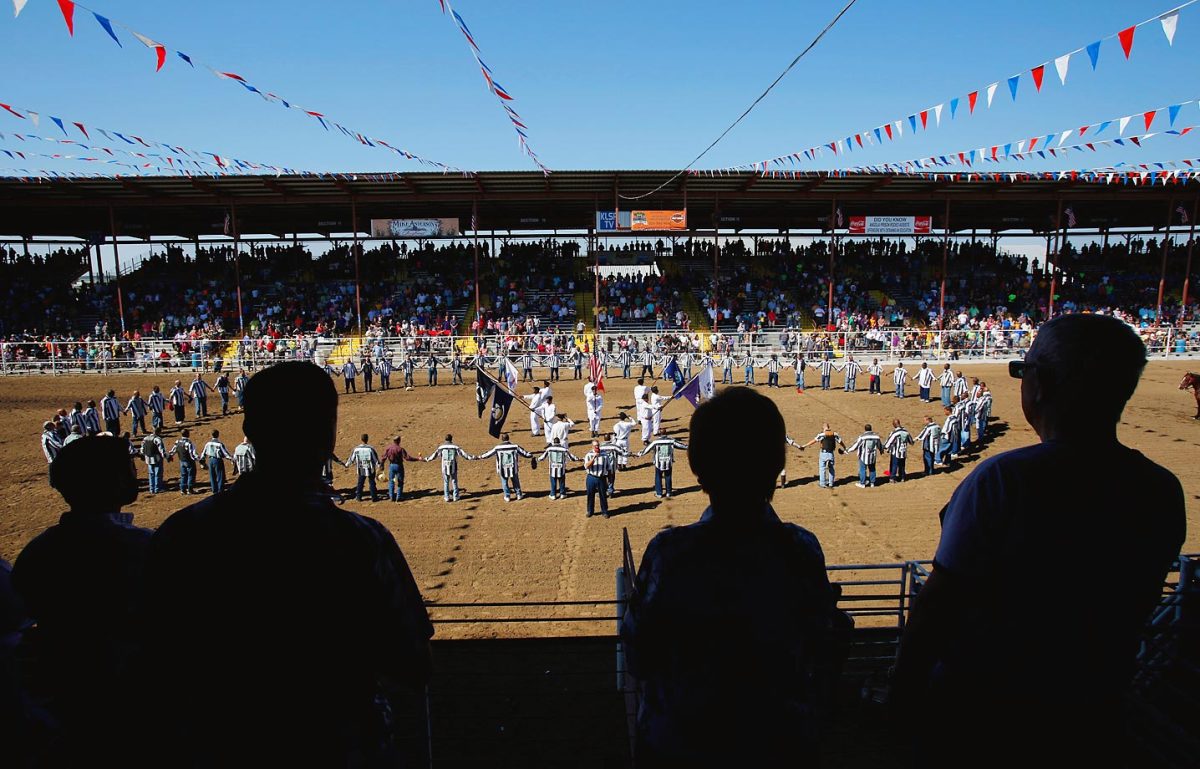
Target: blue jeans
[155,473]
[662,482]
[899,389]
[749,375]
[558,485]
[799,380]
[139,423]
[946,396]
[156,419]
[432,376]
[358,489]
[772,379]
[727,377]
[597,485]
[450,484]
[980,426]
[924,393]
[851,384]
[187,476]
[201,407]
[395,482]
[866,471]
[825,381]
[929,458]
[897,468]
[224,401]
[825,469]
[511,486]
[216,475]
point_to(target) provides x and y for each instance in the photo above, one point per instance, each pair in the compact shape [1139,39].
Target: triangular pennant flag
[1126,38]
[953,107]
[1065,135]
[1137,141]
[937,114]
[18,6]
[912,121]
[1149,117]
[185,57]
[1038,73]
[82,130]
[68,11]
[1093,52]
[972,97]
[1169,22]
[1103,125]
[924,119]
[1173,112]
[103,22]
[35,117]
[899,127]
[878,136]
[159,50]
[1061,64]
[888,129]
[1012,85]
[58,122]
[991,92]
[1122,123]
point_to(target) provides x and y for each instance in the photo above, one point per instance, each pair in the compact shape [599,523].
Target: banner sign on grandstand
[611,221]
[890,225]
[658,220]
[413,228]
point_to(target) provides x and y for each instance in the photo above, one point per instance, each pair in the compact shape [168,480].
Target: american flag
[1070,212]
[596,371]
[839,217]
[1183,217]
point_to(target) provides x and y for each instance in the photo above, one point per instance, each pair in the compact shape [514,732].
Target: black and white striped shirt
[925,377]
[594,463]
[947,378]
[185,450]
[900,375]
[51,445]
[111,407]
[960,386]
[930,436]
[867,445]
[365,457]
[826,367]
[898,442]
[178,397]
[449,454]
[558,457]
[664,452]
[852,368]
[157,402]
[348,370]
[199,389]
[137,407]
[506,458]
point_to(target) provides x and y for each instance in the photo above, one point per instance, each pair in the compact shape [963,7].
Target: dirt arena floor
[482,549]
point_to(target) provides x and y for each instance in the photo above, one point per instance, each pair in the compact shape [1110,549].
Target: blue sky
[621,84]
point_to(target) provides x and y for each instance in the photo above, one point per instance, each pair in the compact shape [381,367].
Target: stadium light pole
[1166,250]
[1187,273]
[112,223]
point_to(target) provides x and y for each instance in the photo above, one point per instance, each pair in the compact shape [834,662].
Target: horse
[1192,382]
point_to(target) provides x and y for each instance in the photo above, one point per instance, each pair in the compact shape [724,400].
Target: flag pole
[497,383]
[675,397]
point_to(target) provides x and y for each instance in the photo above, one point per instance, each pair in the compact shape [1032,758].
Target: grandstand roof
[154,206]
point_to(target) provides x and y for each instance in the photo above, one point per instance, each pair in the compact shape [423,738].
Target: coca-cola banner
[890,225]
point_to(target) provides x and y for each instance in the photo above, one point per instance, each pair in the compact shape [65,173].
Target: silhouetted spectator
[274,618]
[79,580]
[1022,643]
[729,626]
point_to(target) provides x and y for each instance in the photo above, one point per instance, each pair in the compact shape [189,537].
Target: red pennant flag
[1184,131]
[1149,118]
[888,129]
[1090,146]
[1125,36]
[1052,152]
[972,97]
[1083,130]
[68,11]
[1037,73]
[1135,140]
[1032,144]
[82,129]
[994,149]
[924,118]
[10,109]
[858,138]
[161,53]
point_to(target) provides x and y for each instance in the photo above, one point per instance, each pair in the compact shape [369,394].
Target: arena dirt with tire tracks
[482,549]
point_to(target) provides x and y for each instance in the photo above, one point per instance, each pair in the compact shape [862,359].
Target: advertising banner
[890,225]
[658,220]
[413,228]
[608,221]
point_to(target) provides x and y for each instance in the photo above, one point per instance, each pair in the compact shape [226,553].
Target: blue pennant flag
[1173,112]
[107,27]
[672,373]
[185,57]
[953,107]
[1012,85]
[691,391]
[1093,52]
[58,122]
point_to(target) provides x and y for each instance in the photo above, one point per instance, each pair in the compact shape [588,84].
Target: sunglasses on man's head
[1017,368]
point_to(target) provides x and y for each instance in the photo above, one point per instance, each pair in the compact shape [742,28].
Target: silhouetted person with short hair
[276,620]
[1013,653]
[730,611]
[79,580]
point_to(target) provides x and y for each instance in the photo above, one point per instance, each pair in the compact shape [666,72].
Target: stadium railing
[888,345]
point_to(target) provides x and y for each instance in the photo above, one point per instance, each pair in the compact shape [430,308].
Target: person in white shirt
[875,372]
[535,409]
[645,415]
[639,390]
[560,429]
[547,415]
[595,403]
[947,382]
[597,480]
[244,457]
[214,454]
[657,404]
[621,432]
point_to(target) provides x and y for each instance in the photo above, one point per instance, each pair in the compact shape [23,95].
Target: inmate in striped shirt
[826,367]
[558,457]
[898,442]
[930,436]
[664,452]
[365,457]
[111,407]
[867,445]
[506,458]
[157,402]
[449,454]
[137,407]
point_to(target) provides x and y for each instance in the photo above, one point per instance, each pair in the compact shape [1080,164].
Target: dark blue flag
[673,373]
[501,403]
[484,385]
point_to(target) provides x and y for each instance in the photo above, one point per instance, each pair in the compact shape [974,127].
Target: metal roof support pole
[112,222]
[945,259]
[716,292]
[1166,250]
[1061,231]
[832,249]
[357,274]
[475,238]
[1187,273]
[237,263]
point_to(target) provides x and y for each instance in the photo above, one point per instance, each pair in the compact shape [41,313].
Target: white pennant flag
[19,5]
[1021,147]
[35,117]
[991,91]
[1169,22]
[899,128]
[1065,135]
[937,114]
[1122,123]
[1061,64]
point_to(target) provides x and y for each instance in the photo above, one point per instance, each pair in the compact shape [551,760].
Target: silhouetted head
[1079,373]
[290,445]
[95,474]
[736,481]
